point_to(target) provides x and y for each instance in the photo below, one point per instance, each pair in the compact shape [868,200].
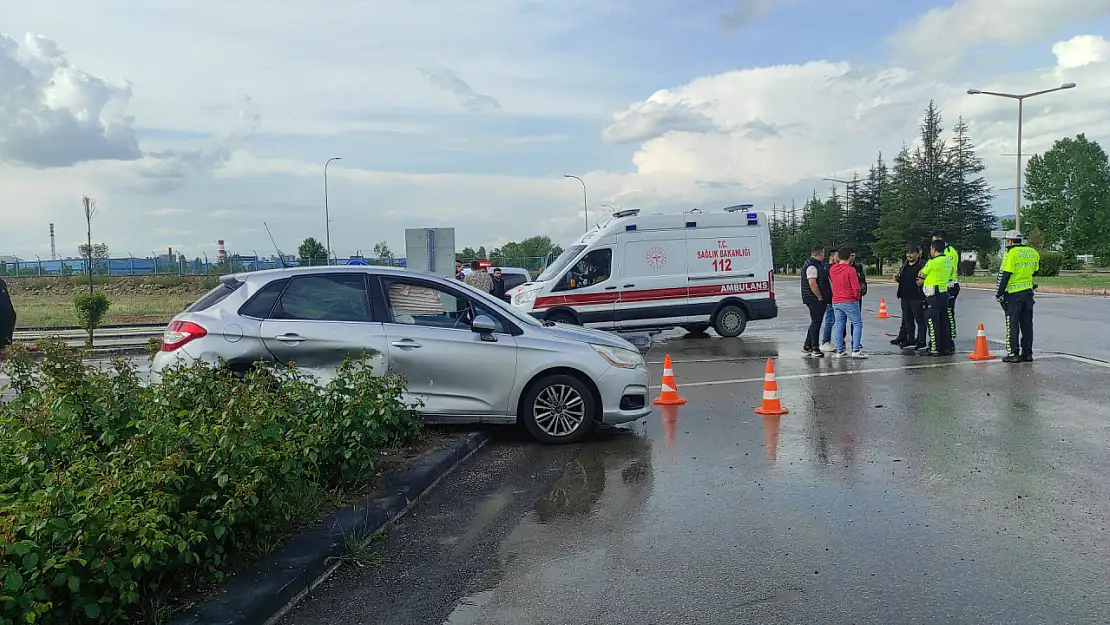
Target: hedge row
[116,499]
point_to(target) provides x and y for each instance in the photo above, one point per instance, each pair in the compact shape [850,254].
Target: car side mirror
[484,326]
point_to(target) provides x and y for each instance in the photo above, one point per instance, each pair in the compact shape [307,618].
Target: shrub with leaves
[91,310]
[1051,263]
[117,496]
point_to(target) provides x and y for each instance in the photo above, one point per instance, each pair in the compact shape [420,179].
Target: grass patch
[1082,281]
[50,310]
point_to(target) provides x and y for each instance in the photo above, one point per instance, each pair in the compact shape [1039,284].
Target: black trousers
[1019,323]
[816,315]
[913,322]
[936,319]
[953,293]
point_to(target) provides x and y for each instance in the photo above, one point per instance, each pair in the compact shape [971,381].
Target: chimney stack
[53,250]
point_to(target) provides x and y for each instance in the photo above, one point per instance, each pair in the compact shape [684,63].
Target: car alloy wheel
[559,410]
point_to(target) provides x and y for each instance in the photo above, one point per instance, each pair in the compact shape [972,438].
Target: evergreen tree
[931,162]
[904,218]
[867,206]
[969,215]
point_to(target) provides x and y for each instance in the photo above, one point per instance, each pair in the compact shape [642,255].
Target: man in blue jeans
[846,305]
[826,332]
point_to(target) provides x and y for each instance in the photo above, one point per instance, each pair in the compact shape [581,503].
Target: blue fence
[160,266]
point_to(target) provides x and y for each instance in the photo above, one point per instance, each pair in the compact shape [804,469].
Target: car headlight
[619,357]
[525,298]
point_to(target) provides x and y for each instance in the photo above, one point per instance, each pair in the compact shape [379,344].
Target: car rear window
[262,303]
[215,296]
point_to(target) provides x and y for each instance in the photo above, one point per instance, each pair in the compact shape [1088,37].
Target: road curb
[266,591]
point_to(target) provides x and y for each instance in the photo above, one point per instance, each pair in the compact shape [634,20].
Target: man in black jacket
[498,289]
[7,317]
[817,296]
[912,332]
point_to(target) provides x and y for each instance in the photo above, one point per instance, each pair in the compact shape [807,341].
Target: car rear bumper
[624,395]
[766,308]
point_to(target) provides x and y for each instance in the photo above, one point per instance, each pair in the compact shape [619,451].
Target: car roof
[285,272]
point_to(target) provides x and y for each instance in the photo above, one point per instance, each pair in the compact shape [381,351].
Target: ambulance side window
[594,268]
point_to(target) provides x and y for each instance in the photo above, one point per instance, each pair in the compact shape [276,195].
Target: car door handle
[628,286]
[406,343]
[610,288]
[290,338]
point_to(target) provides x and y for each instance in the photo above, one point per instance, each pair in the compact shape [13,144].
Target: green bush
[119,498]
[1051,262]
[91,309]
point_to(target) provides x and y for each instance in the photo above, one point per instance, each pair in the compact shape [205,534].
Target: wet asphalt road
[898,490]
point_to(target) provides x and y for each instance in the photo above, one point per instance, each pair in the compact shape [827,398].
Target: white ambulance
[694,270]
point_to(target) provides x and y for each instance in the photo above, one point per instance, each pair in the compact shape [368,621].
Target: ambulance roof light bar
[738,207]
[631,212]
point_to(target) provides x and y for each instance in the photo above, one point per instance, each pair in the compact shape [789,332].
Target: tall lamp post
[1020,97]
[585,211]
[327,218]
[847,189]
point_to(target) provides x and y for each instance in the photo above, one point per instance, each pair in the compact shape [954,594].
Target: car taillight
[180,333]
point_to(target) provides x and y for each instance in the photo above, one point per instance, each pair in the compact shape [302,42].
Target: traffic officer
[1015,293]
[953,282]
[933,280]
[7,317]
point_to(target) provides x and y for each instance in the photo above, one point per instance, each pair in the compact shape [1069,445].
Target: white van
[634,272]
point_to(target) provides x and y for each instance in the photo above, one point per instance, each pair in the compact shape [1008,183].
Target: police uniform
[1015,292]
[936,273]
[953,287]
[7,316]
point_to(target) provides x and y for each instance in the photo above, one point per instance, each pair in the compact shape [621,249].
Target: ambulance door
[653,284]
[589,287]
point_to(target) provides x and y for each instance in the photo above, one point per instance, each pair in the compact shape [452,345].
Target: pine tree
[930,161]
[904,216]
[969,216]
[867,207]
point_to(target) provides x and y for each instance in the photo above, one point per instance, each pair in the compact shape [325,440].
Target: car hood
[588,335]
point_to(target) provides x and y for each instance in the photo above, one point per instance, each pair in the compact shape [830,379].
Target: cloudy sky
[194,121]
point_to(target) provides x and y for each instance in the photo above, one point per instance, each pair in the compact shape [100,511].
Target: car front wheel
[558,409]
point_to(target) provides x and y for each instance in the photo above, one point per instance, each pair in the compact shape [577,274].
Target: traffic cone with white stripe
[981,352]
[668,396]
[882,309]
[771,404]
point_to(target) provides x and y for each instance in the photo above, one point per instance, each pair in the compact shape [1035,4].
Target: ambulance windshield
[559,264]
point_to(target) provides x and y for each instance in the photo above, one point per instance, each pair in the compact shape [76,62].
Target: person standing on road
[479,277]
[933,278]
[7,317]
[912,332]
[1015,293]
[826,333]
[817,296]
[861,275]
[953,282]
[846,295]
[498,288]
[459,275]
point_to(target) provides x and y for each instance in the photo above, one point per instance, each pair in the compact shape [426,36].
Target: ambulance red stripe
[653,295]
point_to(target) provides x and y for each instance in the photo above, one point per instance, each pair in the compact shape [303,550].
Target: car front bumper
[624,395]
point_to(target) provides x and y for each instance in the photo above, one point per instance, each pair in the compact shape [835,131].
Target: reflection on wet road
[953,492]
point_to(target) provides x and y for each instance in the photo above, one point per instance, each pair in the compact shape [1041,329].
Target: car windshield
[559,264]
[500,305]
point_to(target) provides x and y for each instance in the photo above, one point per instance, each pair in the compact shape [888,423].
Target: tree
[89,207]
[382,251]
[969,215]
[467,254]
[91,309]
[867,205]
[312,252]
[1068,190]
[527,254]
[903,220]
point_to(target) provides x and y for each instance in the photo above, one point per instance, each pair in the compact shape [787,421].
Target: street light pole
[1020,97]
[585,210]
[327,218]
[847,186]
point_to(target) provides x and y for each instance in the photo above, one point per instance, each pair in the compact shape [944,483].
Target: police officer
[933,280]
[953,282]
[1015,293]
[7,317]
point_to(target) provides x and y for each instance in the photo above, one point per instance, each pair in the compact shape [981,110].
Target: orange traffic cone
[771,435]
[982,352]
[771,404]
[668,396]
[882,309]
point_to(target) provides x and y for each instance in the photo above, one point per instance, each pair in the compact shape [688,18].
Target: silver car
[467,357]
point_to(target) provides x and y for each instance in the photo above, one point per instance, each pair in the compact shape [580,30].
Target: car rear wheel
[559,409]
[730,321]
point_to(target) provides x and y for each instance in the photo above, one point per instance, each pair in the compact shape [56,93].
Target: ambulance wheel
[562,317]
[696,328]
[730,321]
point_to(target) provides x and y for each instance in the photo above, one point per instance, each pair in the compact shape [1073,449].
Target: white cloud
[53,114]
[1081,50]
[941,37]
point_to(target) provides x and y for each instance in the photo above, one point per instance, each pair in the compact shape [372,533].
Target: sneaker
[820,354]
[898,342]
[828,347]
[859,354]
[840,355]
[1012,358]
